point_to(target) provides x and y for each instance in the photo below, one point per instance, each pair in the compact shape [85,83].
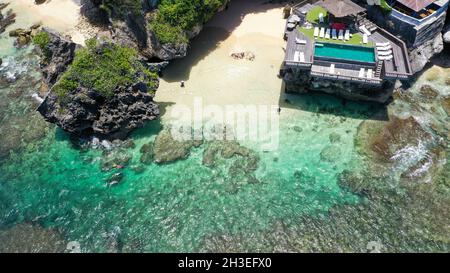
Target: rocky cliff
[300,82]
[133,30]
[87,106]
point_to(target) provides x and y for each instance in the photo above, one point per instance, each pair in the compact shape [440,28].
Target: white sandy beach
[211,74]
[61,15]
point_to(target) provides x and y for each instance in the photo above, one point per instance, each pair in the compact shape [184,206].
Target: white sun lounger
[302,57]
[316,32]
[300,41]
[328,34]
[347,35]
[382,44]
[365,39]
[384,53]
[369,73]
[341,35]
[322,32]
[384,48]
[386,58]
[321,17]
[332,69]
[365,31]
[333,33]
[361,73]
[296,56]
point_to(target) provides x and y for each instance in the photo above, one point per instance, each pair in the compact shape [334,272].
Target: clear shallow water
[295,204]
[173,207]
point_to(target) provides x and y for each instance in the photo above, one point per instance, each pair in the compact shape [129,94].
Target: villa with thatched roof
[342,8]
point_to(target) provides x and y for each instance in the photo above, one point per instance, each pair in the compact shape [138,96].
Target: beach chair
[364,30]
[361,73]
[334,34]
[386,58]
[328,34]
[296,56]
[382,44]
[369,73]
[316,32]
[365,39]
[321,18]
[347,35]
[385,53]
[302,57]
[341,35]
[322,32]
[332,69]
[384,48]
[300,41]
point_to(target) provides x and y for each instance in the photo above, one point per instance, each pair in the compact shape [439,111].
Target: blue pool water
[345,52]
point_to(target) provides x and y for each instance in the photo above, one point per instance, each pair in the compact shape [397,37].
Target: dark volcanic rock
[58,55]
[88,113]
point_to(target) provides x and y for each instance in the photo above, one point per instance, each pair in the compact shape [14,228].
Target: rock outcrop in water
[6,20]
[166,149]
[84,110]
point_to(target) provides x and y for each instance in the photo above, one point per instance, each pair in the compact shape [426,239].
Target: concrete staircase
[379,69]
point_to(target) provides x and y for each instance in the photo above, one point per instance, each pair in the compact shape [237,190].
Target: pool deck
[397,68]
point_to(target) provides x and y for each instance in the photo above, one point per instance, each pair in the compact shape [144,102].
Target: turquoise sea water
[292,202]
[345,52]
[173,207]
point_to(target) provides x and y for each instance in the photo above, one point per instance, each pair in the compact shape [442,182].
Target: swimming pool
[345,52]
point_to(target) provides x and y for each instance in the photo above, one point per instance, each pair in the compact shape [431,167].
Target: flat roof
[416,5]
[342,8]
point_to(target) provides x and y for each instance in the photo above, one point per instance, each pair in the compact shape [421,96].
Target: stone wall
[300,82]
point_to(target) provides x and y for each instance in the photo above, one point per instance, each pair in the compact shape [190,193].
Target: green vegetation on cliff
[174,18]
[120,8]
[42,39]
[103,67]
[385,7]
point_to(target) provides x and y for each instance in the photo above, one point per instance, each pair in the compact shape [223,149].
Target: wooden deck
[344,72]
[397,68]
[293,46]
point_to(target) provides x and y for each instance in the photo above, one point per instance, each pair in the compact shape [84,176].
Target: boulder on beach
[244,55]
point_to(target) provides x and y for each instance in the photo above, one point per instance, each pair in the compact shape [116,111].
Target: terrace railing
[405,58]
[417,22]
[346,78]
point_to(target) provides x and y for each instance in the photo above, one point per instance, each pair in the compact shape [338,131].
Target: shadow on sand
[214,32]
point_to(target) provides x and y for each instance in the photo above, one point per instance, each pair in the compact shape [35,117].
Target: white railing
[414,21]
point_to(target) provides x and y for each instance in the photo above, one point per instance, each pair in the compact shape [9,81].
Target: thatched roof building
[416,5]
[342,8]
